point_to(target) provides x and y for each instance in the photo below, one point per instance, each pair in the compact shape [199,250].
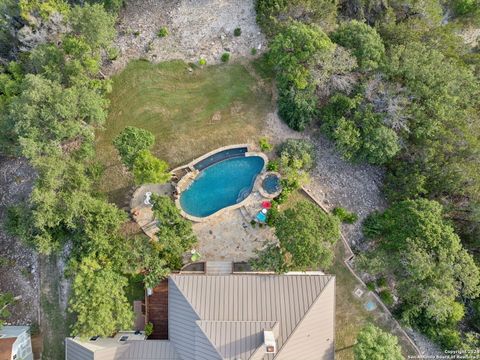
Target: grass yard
[190,110]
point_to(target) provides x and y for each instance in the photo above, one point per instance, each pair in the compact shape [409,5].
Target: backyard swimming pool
[223,184]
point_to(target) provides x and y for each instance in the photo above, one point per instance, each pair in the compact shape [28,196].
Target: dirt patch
[198,29]
[19,273]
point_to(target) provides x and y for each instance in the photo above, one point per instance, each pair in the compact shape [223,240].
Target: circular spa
[221,185]
[271,184]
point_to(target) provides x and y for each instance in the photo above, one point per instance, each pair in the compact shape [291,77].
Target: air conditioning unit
[269,342]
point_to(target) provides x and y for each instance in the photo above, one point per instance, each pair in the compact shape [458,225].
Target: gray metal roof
[235,339]
[108,349]
[286,299]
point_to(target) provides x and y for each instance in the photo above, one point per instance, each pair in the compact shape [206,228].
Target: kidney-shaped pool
[223,184]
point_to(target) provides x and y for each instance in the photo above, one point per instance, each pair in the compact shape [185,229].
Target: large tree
[131,141]
[99,301]
[307,236]
[364,42]
[175,234]
[431,268]
[375,344]
[149,169]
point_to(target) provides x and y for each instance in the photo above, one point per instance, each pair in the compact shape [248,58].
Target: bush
[297,154]
[265,144]
[162,32]
[371,285]
[382,282]
[344,215]
[225,57]
[386,297]
[273,165]
[112,53]
[202,62]
[237,32]
[253,51]
[148,329]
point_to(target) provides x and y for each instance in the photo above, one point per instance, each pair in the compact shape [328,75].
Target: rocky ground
[198,29]
[19,266]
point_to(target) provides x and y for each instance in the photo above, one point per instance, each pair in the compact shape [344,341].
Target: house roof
[223,317]
[221,304]
[6,345]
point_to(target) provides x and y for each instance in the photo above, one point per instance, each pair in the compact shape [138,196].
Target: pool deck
[225,235]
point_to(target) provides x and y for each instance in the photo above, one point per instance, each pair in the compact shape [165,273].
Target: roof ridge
[285,341]
[207,337]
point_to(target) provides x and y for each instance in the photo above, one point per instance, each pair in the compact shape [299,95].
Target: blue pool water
[223,184]
[271,184]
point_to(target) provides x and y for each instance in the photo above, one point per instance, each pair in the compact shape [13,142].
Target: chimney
[269,342]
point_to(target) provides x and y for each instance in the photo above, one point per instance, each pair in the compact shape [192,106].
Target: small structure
[15,343]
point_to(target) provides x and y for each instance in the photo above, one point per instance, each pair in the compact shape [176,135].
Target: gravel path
[197,29]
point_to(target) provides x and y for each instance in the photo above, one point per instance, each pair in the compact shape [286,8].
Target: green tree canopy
[149,169]
[293,49]
[99,301]
[431,267]
[94,24]
[131,141]
[308,235]
[375,344]
[45,115]
[364,42]
[175,235]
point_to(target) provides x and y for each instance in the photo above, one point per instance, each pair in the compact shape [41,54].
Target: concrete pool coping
[182,184]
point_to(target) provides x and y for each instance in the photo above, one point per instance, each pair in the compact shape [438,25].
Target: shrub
[112,53]
[386,297]
[225,57]
[265,144]
[253,51]
[162,32]
[273,165]
[202,62]
[382,282]
[136,33]
[374,343]
[371,285]
[148,329]
[237,32]
[344,215]
[298,154]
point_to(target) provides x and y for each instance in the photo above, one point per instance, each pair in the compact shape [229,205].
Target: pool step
[219,267]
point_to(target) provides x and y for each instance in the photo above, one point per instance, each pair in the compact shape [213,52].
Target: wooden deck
[157,310]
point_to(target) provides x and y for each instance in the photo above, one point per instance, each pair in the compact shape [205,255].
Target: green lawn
[190,113]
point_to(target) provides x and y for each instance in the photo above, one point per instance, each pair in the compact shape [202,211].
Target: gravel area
[198,29]
[19,267]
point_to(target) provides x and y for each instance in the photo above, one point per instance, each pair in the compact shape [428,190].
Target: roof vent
[123,338]
[269,342]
